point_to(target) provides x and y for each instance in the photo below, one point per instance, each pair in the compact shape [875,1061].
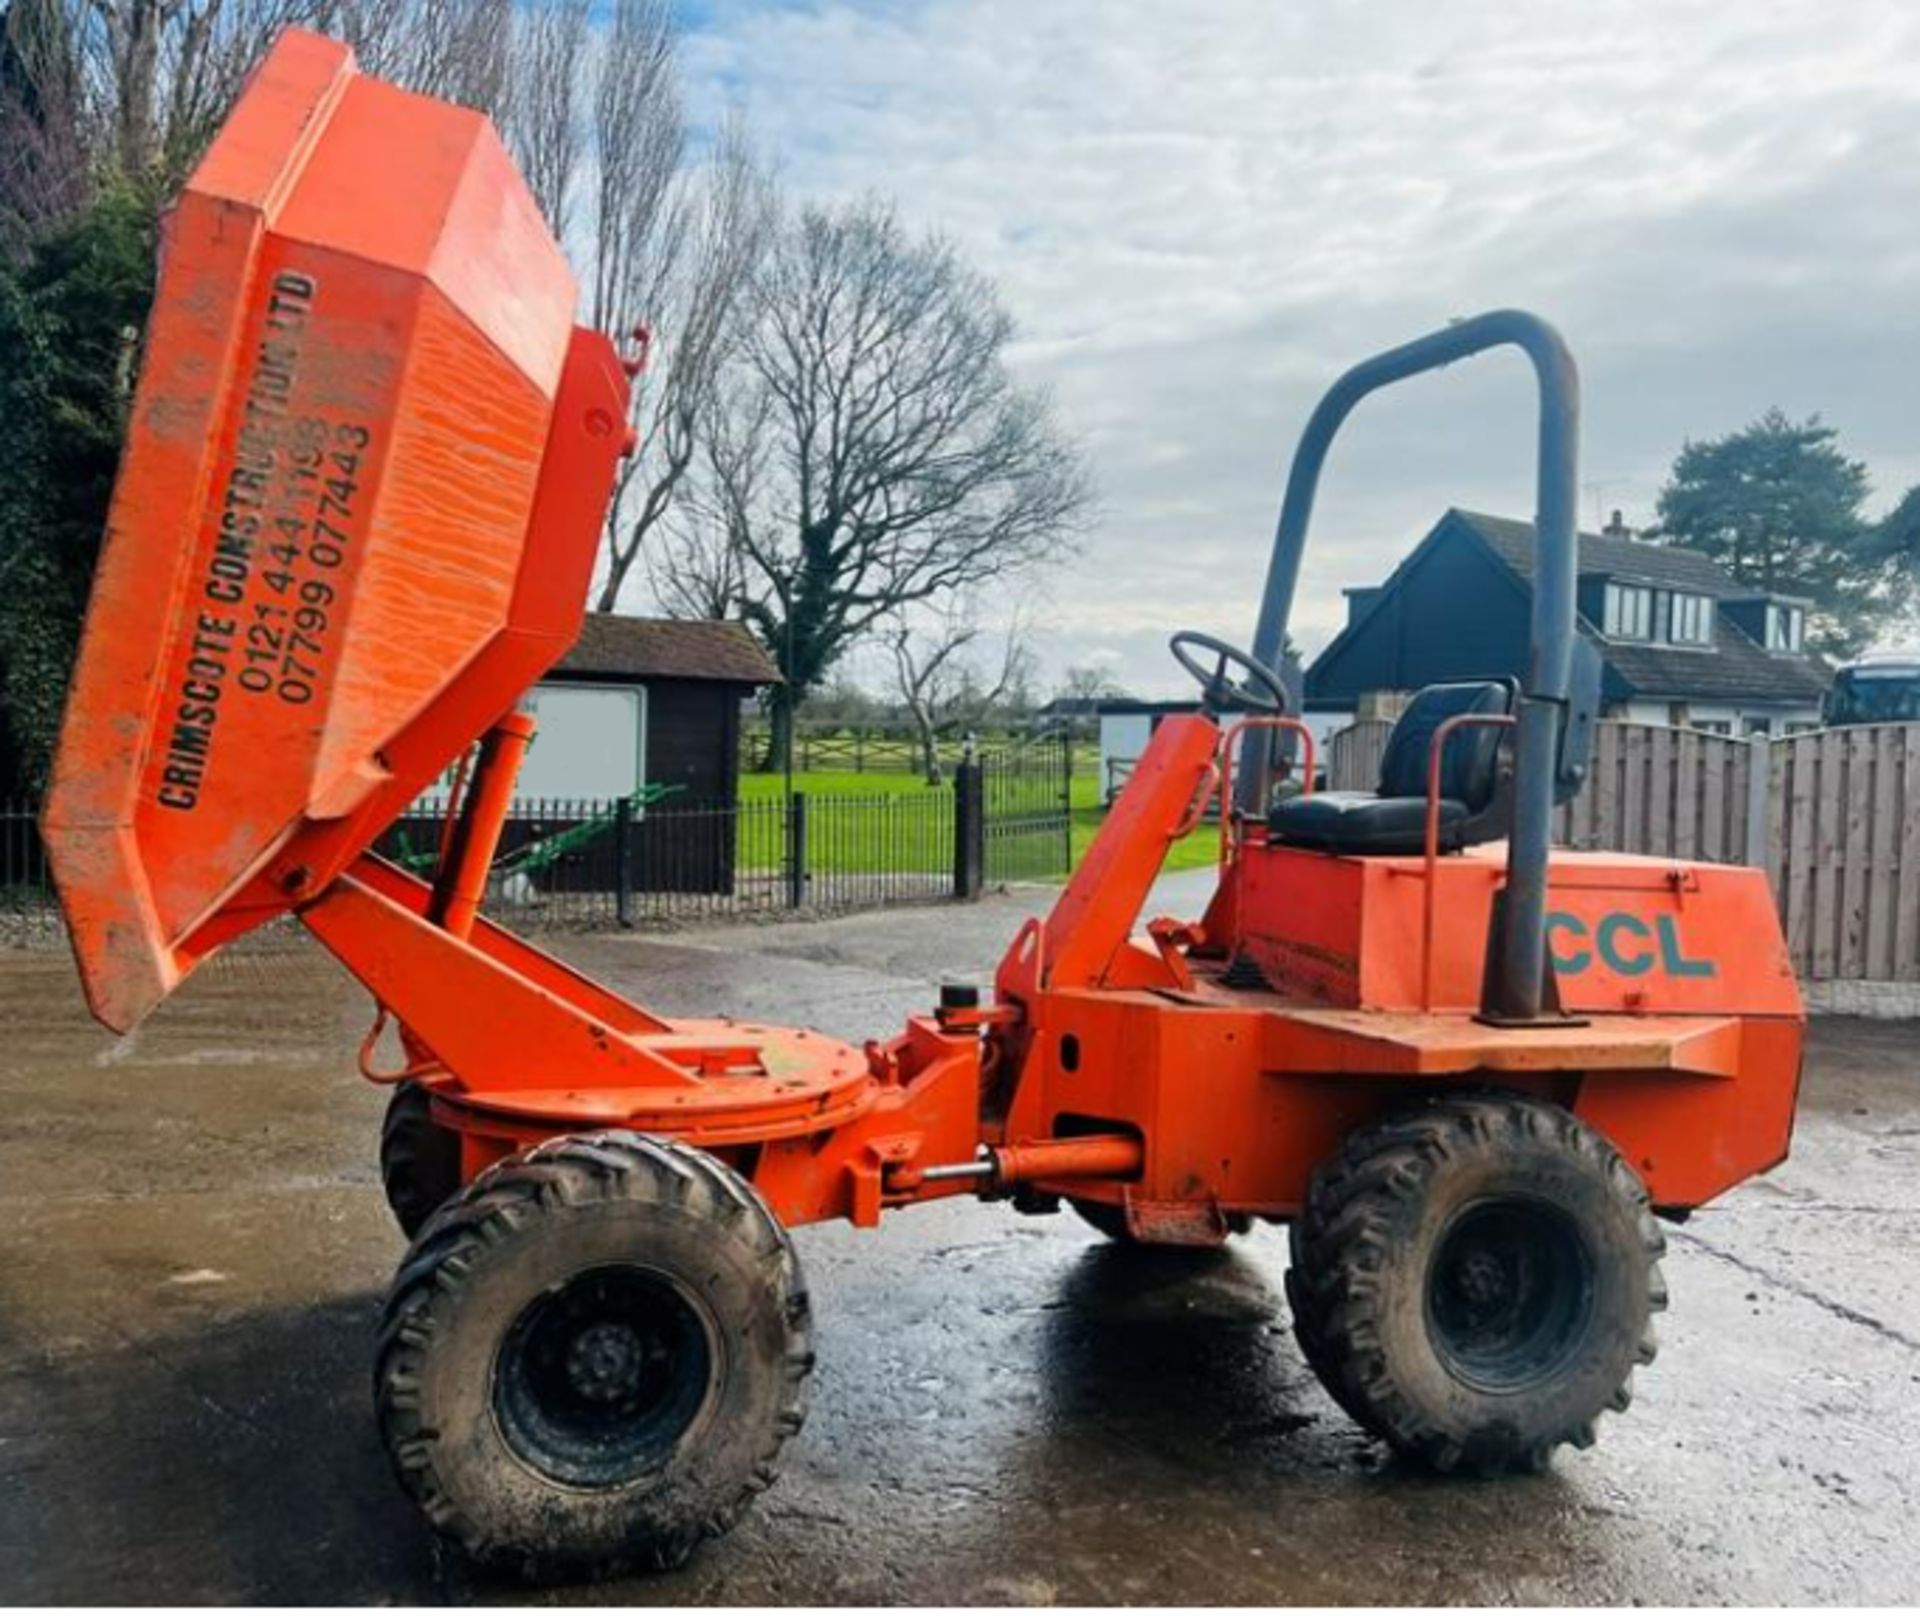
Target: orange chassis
[1125,1068]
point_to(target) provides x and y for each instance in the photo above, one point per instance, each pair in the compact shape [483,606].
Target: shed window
[1629,613]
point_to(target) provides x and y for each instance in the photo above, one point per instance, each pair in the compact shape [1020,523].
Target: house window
[1629,612]
[1714,726]
[1692,620]
[1786,625]
[1758,726]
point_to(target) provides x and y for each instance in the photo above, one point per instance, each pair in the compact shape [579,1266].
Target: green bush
[71,314]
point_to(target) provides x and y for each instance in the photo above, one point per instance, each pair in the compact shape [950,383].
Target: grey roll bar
[1516,976]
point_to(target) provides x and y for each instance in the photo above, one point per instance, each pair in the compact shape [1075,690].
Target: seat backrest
[1469,771]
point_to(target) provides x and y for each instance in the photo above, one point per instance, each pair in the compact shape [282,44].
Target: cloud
[1201,213]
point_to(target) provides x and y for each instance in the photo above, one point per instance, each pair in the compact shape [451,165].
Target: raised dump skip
[355,518]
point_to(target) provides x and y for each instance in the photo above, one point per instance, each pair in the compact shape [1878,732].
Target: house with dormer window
[1680,641]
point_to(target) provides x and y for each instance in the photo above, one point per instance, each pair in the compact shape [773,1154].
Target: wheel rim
[599,1378]
[1509,1293]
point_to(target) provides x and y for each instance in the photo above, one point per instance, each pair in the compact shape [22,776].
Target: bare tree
[584,91]
[123,89]
[639,139]
[45,167]
[132,90]
[870,451]
[942,687]
[723,226]
[544,122]
[1083,685]
[459,50]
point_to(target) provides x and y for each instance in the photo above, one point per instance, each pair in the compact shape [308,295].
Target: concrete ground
[193,1246]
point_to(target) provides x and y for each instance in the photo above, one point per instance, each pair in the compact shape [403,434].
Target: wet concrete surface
[193,1245]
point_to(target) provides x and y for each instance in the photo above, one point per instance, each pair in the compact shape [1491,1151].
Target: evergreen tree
[71,314]
[1779,506]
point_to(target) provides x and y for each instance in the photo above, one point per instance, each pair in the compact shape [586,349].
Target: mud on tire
[419,1159]
[1474,1281]
[591,1358]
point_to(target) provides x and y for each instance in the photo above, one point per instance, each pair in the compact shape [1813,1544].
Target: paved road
[192,1247]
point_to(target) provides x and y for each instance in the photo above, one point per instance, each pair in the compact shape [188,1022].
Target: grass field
[1201,848]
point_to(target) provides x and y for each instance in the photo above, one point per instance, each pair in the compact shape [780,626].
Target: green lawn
[912,838]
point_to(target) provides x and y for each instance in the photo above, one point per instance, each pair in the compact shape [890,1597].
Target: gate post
[1759,799]
[969,828]
[1066,800]
[623,863]
[797,850]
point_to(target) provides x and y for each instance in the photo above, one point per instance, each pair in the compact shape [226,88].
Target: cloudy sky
[1200,211]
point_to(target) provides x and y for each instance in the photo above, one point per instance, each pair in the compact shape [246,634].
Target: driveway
[193,1245]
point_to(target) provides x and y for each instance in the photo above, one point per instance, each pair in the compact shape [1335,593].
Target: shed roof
[613,645]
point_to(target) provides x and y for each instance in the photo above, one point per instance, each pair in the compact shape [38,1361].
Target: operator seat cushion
[1394,819]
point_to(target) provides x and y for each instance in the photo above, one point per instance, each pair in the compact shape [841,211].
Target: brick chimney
[1617,528]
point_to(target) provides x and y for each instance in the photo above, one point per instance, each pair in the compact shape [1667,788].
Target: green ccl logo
[1622,942]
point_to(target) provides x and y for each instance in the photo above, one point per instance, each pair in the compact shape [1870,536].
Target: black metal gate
[1027,798]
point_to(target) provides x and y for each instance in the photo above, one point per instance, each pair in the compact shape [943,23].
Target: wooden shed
[648,701]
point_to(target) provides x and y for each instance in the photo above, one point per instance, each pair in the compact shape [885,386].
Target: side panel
[1643,936]
[1218,1122]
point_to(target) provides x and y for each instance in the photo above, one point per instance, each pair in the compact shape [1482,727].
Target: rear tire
[1474,1281]
[419,1159]
[590,1360]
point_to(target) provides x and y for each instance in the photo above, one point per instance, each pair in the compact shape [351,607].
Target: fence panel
[1354,753]
[27,913]
[1845,851]
[1673,793]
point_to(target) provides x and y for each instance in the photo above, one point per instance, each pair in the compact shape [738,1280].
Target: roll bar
[1516,980]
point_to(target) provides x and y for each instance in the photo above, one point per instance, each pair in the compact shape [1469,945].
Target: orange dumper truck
[365,475]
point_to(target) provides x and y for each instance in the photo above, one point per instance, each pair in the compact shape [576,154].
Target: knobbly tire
[419,1159]
[1474,1281]
[591,1358]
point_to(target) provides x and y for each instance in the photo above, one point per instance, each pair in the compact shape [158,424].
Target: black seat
[1394,819]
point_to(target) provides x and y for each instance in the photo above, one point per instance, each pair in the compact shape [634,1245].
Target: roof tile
[614,645]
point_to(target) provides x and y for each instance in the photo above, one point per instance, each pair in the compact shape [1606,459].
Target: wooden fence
[1353,755]
[1842,843]
[1680,793]
[1833,816]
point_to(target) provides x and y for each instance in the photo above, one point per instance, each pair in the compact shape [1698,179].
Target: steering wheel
[1258,690]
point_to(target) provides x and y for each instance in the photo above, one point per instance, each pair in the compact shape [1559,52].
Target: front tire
[590,1360]
[1474,1281]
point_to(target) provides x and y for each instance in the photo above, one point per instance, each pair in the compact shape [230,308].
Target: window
[1758,726]
[1714,726]
[1692,620]
[1786,626]
[1629,613]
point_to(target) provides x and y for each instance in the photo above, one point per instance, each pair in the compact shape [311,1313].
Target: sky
[1201,211]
